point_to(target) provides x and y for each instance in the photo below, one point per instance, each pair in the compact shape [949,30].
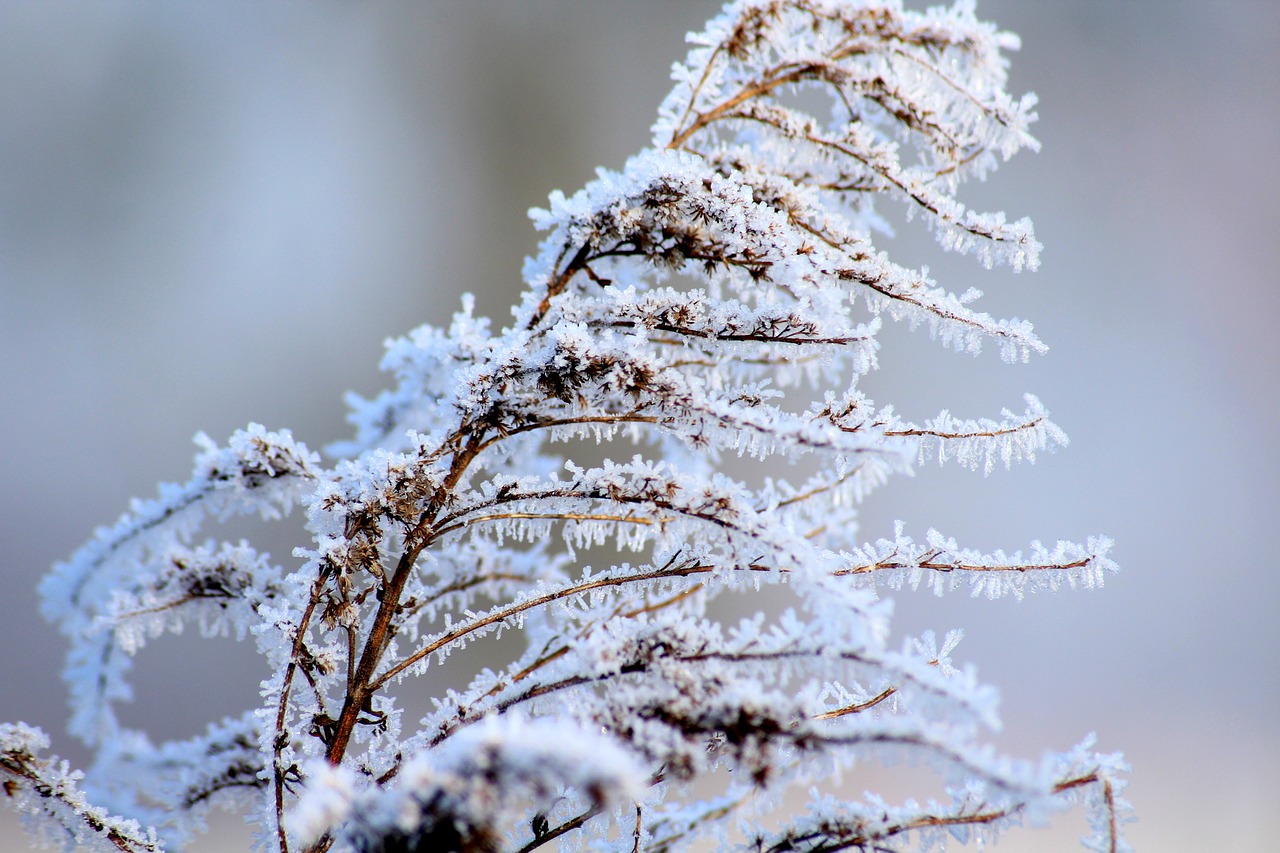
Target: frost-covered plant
[719,297]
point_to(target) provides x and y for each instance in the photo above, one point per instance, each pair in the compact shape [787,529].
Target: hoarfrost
[719,296]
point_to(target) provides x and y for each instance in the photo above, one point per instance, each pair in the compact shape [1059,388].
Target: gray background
[214,213]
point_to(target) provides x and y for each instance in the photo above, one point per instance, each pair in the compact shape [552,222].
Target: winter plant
[710,307]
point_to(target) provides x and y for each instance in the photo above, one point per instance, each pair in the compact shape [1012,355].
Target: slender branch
[566,827]
[20,767]
[858,707]
[502,614]
[992,433]
[281,737]
[936,566]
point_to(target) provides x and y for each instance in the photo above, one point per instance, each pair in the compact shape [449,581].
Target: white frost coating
[143,556]
[327,803]
[495,775]
[564,484]
[45,791]
[941,565]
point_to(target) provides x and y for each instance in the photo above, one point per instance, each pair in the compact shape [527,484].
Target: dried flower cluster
[718,297]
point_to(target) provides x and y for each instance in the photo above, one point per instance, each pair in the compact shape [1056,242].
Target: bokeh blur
[214,213]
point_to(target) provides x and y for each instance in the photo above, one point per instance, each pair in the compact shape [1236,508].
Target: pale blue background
[214,213]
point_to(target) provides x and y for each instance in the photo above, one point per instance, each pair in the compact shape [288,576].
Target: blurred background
[214,213]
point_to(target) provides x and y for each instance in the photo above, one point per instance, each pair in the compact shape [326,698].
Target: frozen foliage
[718,297]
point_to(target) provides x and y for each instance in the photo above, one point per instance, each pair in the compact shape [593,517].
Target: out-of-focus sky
[214,213]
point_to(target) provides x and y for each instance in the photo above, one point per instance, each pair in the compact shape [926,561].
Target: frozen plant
[719,297]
